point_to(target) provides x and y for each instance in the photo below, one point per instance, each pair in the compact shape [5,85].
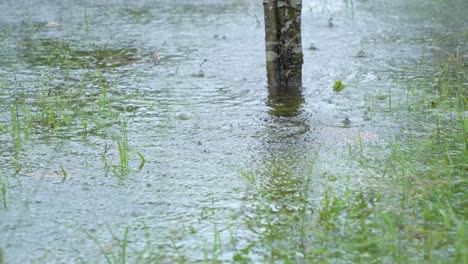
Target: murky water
[189,79]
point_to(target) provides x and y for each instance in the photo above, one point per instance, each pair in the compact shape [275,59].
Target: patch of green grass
[411,216]
[47,113]
[427,174]
[124,152]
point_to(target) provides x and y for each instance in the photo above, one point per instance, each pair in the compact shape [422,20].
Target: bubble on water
[182,116]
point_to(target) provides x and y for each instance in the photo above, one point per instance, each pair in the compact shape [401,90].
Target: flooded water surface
[143,122]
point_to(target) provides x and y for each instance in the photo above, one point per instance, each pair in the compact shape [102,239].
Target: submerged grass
[413,210]
[59,53]
[73,88]
[3,188]
[420,208]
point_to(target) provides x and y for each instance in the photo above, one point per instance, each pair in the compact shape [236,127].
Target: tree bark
[283,47]
[272,44]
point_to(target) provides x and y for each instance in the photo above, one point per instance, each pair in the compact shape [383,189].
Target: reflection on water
[285,102]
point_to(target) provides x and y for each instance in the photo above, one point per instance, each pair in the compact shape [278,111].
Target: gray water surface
[189,79]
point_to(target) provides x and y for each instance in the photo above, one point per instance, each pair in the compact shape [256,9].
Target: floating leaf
[338,86]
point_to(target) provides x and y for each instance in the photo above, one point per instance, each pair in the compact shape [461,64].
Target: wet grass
[413,208]
[416,222]
[424,215]
[113,257]
[74,85]
[123,148]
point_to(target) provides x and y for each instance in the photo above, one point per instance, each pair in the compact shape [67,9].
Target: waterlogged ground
[144,125]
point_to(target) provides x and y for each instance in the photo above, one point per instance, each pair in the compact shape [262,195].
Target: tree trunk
[283,44]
